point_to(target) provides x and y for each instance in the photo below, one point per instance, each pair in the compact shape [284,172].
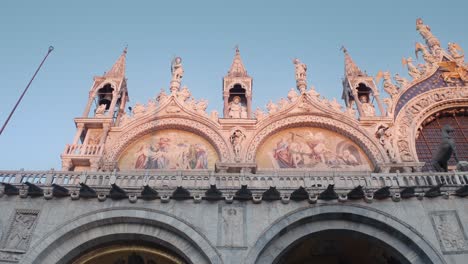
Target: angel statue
[427,56]
[412,70]
[176,69]
[388,85]
[457,52]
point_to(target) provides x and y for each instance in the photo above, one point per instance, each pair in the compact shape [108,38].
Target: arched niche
[116,145]
[361,141]
[429,135]
[418,109]
[169,149]
[311,148]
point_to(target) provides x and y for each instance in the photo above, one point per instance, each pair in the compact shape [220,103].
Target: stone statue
[301,69]
[301,75]
[427,56]
[236,139]
[367,108]
[444,151]
[432,42]
[176,69]
[384,135]
[389,103]
[402,82]
[235,107]
[214,115]
[412,70]
[100,110]
[457,52]
[388,85]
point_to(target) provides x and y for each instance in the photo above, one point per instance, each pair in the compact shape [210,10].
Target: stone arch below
[116,145]
[418,109]
[99,227]
[279,237]
[370,148]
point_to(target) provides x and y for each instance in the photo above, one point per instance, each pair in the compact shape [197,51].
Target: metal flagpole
[51,48]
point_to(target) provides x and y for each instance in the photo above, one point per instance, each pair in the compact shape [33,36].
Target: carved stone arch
[418,109]
[284,232]
[368,144]
[103,226]
[116,145]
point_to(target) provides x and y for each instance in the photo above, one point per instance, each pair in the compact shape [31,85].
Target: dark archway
[129,252]
[340,247]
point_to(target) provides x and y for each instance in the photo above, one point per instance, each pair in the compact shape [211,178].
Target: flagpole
[51,48]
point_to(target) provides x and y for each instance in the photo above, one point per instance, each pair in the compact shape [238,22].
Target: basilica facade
[305,180]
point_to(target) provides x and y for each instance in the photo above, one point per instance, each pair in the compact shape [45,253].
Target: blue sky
[88,37]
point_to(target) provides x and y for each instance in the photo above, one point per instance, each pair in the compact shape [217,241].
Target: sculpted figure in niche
[367,108]
[384,134]
[100,110]
[236,108]
[21,231]
[236,139]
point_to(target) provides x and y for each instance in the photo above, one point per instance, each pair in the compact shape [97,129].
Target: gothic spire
[237,67]
[118,70]
[351,69]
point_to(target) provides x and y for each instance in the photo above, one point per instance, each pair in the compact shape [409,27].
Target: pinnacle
[237,68]
[118,69]
[351,69]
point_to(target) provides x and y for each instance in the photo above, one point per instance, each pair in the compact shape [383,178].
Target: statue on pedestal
[445,150]
[235,108]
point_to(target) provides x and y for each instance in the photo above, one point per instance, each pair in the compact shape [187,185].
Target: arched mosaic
[312,148]
[169,149]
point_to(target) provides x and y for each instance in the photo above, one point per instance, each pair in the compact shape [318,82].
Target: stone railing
[287,180]
[83,150]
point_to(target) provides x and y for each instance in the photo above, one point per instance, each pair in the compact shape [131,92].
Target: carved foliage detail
[450,233]
[21,229]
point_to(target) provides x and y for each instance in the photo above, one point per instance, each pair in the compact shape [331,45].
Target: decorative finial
[237,49]
[125,49]
[344,49]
